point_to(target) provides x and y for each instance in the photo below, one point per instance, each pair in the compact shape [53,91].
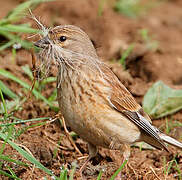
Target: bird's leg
[126,155]
[68,135]
[92,153]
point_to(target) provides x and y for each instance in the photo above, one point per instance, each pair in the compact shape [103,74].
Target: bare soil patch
[112,33]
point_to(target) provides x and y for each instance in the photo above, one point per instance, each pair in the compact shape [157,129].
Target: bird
[92,100]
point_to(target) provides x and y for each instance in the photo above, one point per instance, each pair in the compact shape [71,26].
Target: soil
[112,33]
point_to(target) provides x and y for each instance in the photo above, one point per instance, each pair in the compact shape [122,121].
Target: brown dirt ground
[112,33]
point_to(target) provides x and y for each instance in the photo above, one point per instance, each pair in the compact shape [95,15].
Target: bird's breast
[83,102]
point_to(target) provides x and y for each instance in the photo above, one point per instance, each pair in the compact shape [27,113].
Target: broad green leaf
[161,100]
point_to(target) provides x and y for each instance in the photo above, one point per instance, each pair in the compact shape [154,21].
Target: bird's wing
[122,101]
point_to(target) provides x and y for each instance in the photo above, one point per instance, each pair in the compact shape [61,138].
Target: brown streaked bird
[94,103]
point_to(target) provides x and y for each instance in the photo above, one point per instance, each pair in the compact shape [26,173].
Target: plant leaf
[18,28]
[8,175]
[26,155]
[19,11]
[119,170]
[10,105]
[161,100]
[7,91]
[25,85]
[19,121]
[8,159]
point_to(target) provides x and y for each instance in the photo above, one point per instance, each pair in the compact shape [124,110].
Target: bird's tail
[170,140]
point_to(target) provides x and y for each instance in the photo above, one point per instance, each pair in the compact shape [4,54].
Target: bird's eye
[62,38]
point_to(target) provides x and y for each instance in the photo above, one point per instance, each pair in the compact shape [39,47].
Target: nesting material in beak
[42,43]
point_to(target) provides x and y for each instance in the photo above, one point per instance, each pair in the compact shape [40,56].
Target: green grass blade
[100,175]
[18,28]
[26,155]
[7,158]
[63,175]
[53,96]
[8,175]
[7,91]
[10,130]
[125,55]
[14,39]
[72,171]
[25,85]
[165,165]
[7,45]
[178,170]
[13,105]
[19,121]
[25,44]
[48,80]
[8,35]
[3,101]
[170,166]
[101,7]
[120,169]
[28,71]
[12,173]
[19,11]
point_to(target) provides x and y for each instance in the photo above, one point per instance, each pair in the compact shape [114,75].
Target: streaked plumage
[94,103]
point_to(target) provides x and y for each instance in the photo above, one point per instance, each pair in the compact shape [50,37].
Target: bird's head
[66,41]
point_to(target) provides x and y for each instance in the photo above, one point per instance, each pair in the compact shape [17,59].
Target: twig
[33,168]
[154,173]
[59,146]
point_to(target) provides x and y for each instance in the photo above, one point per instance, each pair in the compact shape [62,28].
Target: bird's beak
[42,43]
